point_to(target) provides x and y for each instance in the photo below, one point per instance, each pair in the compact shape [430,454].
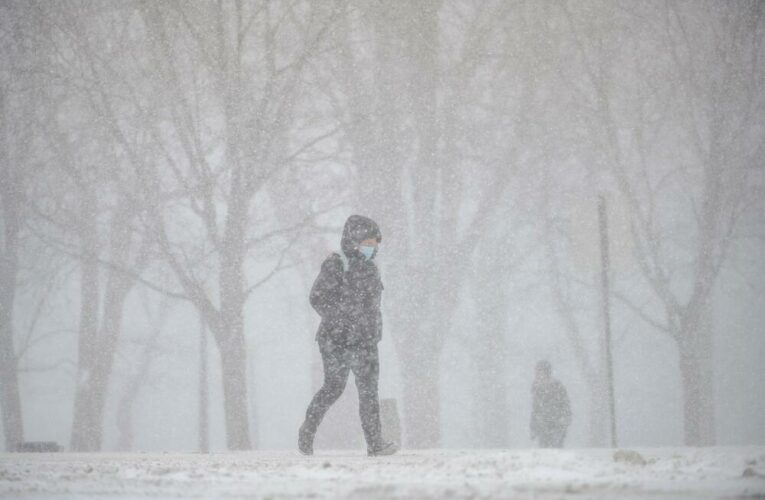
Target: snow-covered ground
[654,473]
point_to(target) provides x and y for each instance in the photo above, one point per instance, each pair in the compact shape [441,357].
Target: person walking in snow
[347,295]
[551,411]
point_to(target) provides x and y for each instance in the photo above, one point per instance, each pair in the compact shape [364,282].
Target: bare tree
[18,98]
[86,210]
[253,58]
[93,241]
[191,148]
[11,201]
[703,106]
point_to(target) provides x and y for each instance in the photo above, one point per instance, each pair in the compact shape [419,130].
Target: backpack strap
[344,259]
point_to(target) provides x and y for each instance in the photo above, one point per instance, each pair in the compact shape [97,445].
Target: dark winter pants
[338,362]
[552,438]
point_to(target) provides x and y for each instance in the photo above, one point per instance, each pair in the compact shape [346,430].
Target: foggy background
[172,175]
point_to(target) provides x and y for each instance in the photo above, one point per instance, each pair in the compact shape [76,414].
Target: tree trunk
[597,419]
[234,369]
[697,377]
[698,415]
[230,336]
[377,143]
[491,400]
[96,346]
[490,385]
[421,399]
[96,368]
[10,401]
[87,427]
[421,324]
[10,197]
[13,428]
[83,425]
[125,411]
[204,399]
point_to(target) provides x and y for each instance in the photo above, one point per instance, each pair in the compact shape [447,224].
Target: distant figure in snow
[347,295]
[551,411]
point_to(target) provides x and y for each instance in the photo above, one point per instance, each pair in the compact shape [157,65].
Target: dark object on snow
[305,441]
[751,472]
[551,410]
[347,295]
[629,457]
[383,449]
[38,447]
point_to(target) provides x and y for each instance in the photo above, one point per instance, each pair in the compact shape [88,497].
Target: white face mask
[367,251]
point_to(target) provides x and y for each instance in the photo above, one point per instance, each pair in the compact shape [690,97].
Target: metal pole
[253,400]
[605,268]
[204,440]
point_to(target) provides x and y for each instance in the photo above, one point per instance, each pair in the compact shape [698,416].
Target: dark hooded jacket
[551,410]
[348,301]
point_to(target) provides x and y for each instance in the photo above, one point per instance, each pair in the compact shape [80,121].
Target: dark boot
[305,441]
[384,448]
